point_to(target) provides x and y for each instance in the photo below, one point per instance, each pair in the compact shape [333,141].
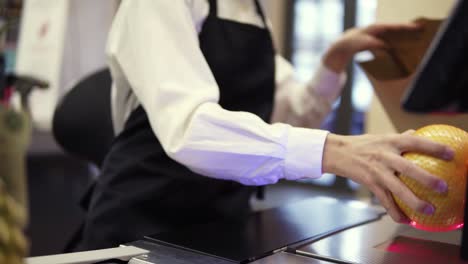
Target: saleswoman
[204,109]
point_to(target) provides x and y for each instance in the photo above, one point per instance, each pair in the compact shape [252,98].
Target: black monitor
[441,80]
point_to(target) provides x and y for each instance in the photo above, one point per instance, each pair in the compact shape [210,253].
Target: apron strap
[261,13]
[213,8]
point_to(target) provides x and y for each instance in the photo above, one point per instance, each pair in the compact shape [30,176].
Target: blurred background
[67,42]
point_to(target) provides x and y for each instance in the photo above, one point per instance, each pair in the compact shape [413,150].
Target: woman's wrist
[331,153]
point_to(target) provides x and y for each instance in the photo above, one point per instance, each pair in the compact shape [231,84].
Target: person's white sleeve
[305,105]
[156,47]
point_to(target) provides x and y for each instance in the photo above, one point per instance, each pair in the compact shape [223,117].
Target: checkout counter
[314,231]
[376,240]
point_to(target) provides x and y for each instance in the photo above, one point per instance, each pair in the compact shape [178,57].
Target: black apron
[142,191]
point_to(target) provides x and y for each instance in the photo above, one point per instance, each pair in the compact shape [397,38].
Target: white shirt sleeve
[154,47]
[305,104]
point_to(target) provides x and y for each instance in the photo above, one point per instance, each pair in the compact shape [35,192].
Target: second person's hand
[355,40]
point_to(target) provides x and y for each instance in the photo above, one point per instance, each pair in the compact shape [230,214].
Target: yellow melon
[449,206]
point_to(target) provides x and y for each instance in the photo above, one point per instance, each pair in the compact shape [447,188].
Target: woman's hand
[375,161]
[359,39]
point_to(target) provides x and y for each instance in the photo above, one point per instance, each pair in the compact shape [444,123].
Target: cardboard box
[391,71]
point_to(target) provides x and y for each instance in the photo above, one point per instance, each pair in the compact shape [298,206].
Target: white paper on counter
[89,257]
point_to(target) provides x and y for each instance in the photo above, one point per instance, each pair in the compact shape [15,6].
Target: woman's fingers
[412,143]
[388,203]
[368,42]
[407,168]
[400,190]
[378,29]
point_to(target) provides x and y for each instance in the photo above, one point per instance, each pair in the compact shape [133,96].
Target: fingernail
[428,209]
[441,187]
[449,154]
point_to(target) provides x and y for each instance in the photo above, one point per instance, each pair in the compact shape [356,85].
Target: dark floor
[56,183]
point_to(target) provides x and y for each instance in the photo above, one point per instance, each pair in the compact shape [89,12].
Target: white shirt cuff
[327,83]
[304,153]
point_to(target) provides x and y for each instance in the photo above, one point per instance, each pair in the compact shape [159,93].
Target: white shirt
[154,56]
